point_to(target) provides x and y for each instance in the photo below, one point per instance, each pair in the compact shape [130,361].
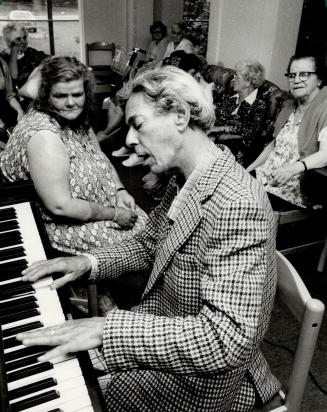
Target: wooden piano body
[26,384]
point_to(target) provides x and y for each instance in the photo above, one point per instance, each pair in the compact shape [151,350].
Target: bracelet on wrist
[116,214]
[121,188]
[304,164]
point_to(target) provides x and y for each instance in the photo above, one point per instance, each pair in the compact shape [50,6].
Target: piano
[67,383]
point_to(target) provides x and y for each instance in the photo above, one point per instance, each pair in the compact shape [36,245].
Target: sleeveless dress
[90,179]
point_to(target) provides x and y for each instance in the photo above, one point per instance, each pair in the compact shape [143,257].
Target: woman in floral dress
[82,200]
[300,142]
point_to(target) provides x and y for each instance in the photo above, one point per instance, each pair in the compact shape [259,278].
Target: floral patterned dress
[90,178]
[286,152]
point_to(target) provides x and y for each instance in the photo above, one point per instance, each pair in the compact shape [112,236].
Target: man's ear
[182,120]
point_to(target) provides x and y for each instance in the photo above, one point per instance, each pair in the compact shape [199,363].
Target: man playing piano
[193,341]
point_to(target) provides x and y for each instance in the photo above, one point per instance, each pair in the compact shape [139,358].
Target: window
[53,25]
[196,16]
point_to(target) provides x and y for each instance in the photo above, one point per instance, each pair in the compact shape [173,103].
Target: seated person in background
[300,136]
[10,109]
[21,59]
[175,58]
[242,117]
[158,45]
[179,41]
[83,202]
[192,343]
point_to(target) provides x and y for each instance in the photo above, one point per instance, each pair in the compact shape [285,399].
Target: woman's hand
[72,268]
[126,218]
[20,115]
[124,199]
[69,337]
[283,174]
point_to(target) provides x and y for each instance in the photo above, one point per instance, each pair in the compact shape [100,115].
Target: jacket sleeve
[137,253]
[222,335]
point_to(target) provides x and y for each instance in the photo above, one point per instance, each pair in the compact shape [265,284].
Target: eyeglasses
[176,32]
[303,76]
[20,38]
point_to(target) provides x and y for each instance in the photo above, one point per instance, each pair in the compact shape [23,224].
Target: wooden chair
[309,313]
[99,46]
[318,217]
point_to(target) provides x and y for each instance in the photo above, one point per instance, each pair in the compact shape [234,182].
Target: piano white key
[54,361]
[28,229]
[62,385]
[61,371]
[68,401]
[49,307]
[66,368]
[46,281]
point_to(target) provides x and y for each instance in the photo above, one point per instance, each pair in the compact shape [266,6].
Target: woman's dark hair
[158,25]
[319,66]
[65,69]
[179,54]
[191,61]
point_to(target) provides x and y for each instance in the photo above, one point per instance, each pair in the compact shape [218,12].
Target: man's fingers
[60,282]
[55,352]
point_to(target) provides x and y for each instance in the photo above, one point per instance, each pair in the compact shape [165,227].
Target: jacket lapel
[190,217]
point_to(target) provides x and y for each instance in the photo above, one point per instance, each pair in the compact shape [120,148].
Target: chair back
[96,49]
[309,313]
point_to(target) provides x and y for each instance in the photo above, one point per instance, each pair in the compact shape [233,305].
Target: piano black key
[21,306]
[27,351]
[22,328]
[34,401]
[11,233]
[29,371]
[26,314]
[9,290]
[32,388]
[15,304]
[10,273]
[11,253]
[8,239]
[21,363]
[8,225]
[11,343]
[7,213]
[16,264]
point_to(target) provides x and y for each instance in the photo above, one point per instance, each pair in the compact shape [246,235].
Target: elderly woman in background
[300,142]
[242,117]
[83,202]
[21,59]
[178,42]
[158,45]
[10,109]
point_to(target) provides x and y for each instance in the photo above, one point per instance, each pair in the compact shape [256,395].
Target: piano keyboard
[32,386]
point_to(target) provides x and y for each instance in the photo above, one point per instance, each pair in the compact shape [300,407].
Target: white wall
[124,22]
[263,30]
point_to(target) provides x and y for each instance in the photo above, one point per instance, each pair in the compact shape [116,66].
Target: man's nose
[131,138]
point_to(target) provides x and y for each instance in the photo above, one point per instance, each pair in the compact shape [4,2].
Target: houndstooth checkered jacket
[193,342]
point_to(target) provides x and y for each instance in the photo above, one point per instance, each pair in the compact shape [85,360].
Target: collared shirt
[249,99]
[180,200]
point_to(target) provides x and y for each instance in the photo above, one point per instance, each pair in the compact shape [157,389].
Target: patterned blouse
[286,151]
[90,178]
[249,121]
